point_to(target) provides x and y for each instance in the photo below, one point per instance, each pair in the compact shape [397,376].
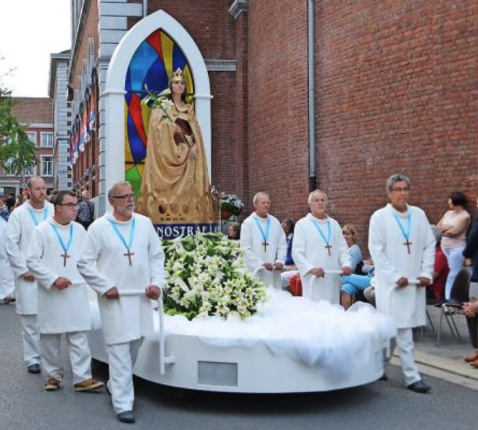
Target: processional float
[208,361]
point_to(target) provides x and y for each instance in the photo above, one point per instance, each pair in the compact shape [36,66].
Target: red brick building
[393,87]
[37,115]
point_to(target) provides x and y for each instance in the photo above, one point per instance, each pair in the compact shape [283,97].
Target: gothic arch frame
[113,96]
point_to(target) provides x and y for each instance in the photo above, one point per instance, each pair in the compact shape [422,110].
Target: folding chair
[459,295]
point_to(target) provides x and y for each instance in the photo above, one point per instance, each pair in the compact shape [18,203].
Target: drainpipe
[311,94]
[145,8]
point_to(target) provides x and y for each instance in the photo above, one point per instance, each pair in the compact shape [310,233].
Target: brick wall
[241,123]
[277,113]
[397,91]
[223,131]
[207,21]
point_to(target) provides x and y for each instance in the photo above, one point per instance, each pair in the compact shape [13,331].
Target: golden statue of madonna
[175,188]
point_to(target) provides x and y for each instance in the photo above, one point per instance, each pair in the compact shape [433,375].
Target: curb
[452,366]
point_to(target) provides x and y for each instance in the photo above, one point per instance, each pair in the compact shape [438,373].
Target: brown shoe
[88,385]
[52,384]
[471,357]
[474,364]
[10,299]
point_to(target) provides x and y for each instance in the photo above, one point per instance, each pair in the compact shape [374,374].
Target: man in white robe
[402,247]
[21,225]
[263,240]
[122,252]
[63,304]
[320,246]
[6,274]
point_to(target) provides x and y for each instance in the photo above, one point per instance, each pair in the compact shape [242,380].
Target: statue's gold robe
[175,188]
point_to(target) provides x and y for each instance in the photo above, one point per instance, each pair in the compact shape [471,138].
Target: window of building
[47,166]
[7,166]
[46,140]
[32,137]
[30,171]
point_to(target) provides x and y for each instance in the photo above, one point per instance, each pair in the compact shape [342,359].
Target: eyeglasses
[71,205]
[401,190]
[124,197]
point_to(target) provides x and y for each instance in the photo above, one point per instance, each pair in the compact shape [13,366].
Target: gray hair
[112,190]
[397,177]
[437,233]
[259,194]
[311,195]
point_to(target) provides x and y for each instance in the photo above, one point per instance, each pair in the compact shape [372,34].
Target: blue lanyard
[121,237]
[406,234]
[34,217]
[319,229]
[265,234]
[58,235]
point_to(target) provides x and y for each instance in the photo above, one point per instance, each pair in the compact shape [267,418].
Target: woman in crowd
[234,231]
[350,234]
[4,213]
[436,291]
[289,269]
[453,226]
[288,227]
[353,284]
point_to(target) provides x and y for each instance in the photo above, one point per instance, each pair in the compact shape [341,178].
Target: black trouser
[472,323]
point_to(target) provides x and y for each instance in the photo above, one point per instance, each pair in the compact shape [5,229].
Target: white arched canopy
[114,155]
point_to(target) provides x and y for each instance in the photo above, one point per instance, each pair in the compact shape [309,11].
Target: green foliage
[17,152]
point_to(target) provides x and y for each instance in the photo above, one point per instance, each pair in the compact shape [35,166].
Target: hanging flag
[85,122]
[76,141]
[72,144]
[92,116]
[81,145]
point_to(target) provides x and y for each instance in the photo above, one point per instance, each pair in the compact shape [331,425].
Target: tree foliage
[17,152]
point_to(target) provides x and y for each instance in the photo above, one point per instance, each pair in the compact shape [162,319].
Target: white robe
[6,273]
[59,311]
[104,265]
[309,252]
[252,242]
[406,306]
[19,232]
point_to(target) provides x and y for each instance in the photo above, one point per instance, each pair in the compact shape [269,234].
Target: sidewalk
[445,360]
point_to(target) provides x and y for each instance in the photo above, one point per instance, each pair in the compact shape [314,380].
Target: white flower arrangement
[207,276]
[230,202]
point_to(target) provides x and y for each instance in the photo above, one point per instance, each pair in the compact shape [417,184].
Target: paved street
[25,405]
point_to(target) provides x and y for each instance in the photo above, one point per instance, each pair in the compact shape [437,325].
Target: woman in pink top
[453,226]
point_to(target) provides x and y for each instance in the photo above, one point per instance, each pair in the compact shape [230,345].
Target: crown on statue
[176,76]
